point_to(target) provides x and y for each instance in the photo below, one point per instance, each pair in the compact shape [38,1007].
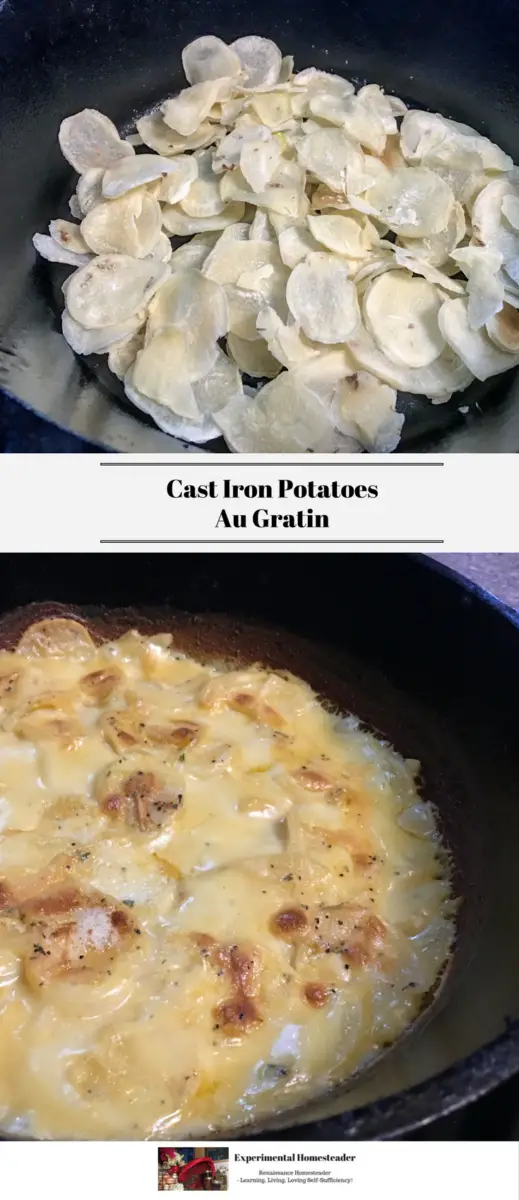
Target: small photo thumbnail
[193,1168]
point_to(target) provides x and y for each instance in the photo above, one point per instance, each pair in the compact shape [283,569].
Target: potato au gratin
[216,898]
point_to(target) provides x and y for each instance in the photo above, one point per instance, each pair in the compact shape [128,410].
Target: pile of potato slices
[329,245]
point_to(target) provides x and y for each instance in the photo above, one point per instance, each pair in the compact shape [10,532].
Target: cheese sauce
[216,898]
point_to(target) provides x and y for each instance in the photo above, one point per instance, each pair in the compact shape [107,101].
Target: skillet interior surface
[433,668]
[125,57]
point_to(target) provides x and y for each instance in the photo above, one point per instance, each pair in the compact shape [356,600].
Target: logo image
[193,1169]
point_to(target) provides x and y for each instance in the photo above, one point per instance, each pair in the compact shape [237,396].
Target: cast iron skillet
[432,663]
[123,56]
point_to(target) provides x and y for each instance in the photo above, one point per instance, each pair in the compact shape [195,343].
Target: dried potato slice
[401,313]
[474,347]
[329,155]
[259,161]
[445,375]
[322,299]
[56,637]
[97,341]
[111,289]
[230,259]
[489,225]
[412,201]
[192,304]
[175,186]
[295,244]
[200,431]
[254,358]
[129,225]
[161,138]
[260,59]
[261,230]
[166,367]
[423,133]
[203,199]
[419,266]
[178,223]
[351,236]
[503,329]
[364,408]
[286,343]
[437,248]
[361,122]
[89,139]
[186,112]
[89,189]
[228,151]
[209,58]
[221,384]
[47,247]
[69,236]
[273,109]
[122,355]
[128,174]
[485,288]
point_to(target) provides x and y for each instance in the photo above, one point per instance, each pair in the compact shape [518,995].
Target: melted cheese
[287,897]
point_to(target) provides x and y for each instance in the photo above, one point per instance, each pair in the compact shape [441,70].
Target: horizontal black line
[272,542]
[314,462]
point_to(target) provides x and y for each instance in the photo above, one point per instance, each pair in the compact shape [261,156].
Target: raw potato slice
[254,358]
[260,59]
[164,370]
[129,225]
[324,197]
[75,207]
[412,201]
[56,637]
[48,248]
[364,408]
[69,236]
[209,58]
[401,313]
[97,341]
[473,346]
[160,137]
[284,195]
[89,139]
[329,155]
[191,303]
[230,259]
[178,223]
[351,236]
[510,210]
[89,189]
[286,417]
[203,198]
[261,229]
[111,289]
[186,112]
[175,186]
[322,299]
[125,175]
[200,431]
[259,162]
[162,250]
[122,355]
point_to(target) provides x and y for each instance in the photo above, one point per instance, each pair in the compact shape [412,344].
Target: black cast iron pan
[421,656]
[123,56]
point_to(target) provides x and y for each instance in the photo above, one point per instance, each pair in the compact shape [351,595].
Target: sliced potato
[480,354]
[401,313]
[89,139]
[209,58]
[323,299]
